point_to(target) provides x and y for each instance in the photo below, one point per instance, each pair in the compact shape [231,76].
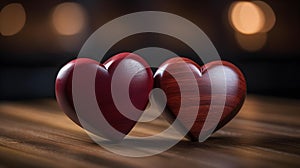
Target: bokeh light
[12,19]
[269,15]
[246,17]
[69,18]
[253,42]
[251,20]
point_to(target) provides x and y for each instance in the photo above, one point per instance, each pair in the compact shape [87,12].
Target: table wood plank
[265,133]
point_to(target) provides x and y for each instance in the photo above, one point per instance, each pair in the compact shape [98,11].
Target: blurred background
[38,37]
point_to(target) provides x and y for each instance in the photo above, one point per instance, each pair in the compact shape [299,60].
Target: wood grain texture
[265,133]
[197,92]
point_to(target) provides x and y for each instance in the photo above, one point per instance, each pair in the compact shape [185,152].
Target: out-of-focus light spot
[253,42]
[251,20]
[269,15]
[69,18]
[12,19]
[246,17]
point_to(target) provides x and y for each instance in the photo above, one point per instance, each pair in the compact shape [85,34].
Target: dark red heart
[139,88]
[235,88]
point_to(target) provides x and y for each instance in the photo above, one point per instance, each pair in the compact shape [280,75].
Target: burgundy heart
[235,92]
[139,88]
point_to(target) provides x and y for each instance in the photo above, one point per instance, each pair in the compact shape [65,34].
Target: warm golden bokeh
[12,19]
[251,21]
[69,18]
[246,17]
[269,15]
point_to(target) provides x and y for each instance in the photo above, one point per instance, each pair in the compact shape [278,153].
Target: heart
[178,70]
[111,86]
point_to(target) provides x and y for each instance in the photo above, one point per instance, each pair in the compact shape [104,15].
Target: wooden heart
[182,68]
[130,66]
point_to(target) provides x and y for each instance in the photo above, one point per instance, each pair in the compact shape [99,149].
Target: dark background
[30,59]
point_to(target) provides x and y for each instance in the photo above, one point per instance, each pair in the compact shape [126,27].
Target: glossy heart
[124,66]
[182,68]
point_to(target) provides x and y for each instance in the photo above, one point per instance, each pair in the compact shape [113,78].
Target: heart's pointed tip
[192,138]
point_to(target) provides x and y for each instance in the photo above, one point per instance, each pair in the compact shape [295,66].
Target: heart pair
[127,78]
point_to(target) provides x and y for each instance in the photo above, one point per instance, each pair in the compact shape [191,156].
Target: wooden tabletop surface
[266,133]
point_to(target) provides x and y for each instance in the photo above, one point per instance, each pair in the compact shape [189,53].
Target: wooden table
[266,133]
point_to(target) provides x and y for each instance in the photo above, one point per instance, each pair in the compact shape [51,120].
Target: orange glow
[69,18]
[246,17]
[269,14]
[12,19]
[252,42]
